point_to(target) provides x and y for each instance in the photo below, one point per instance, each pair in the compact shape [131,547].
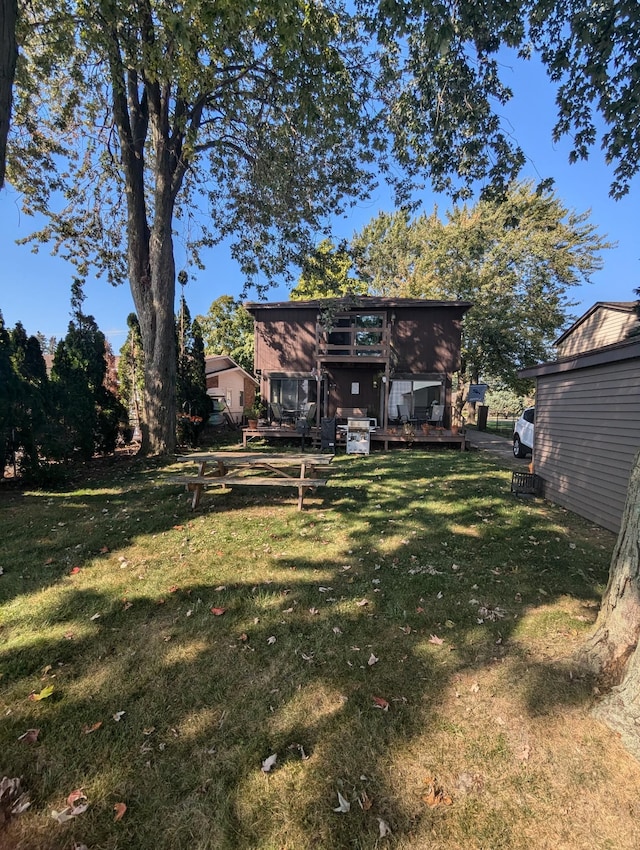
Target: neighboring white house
[587,429]
[229,382]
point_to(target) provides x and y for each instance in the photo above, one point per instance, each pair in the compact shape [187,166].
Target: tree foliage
[515,260]
[192,400]
[88,415]
[227,329]
[131,372]
[326,274]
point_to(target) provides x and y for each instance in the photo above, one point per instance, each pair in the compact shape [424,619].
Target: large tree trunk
[612,645]
[154,298]
[8,57]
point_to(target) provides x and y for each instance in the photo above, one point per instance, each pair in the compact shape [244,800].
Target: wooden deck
[387,438]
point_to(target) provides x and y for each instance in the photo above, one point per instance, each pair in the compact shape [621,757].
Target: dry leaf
[362,603]
[372,660]
[434,794]
[44,693]
[218,612]
[119,809]
[271,640]
[336,630]
[74,571]
[524,753]
[268,763]
[384,828]
[118,716]
[313,611]
[95,617]
[343,805]
[437,640]
[365,801]
[379,702]
[474,688]
[74,796]
[87,730]
[174,588]
[104,550]
[244,637]
[30,736]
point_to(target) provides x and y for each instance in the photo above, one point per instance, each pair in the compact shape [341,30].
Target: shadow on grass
[307,654]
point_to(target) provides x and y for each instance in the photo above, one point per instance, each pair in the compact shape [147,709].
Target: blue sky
[35,288]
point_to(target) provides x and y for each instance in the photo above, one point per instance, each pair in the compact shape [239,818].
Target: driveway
[500,447]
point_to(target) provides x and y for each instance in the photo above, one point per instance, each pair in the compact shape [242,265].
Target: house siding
[586,436]
[604,326]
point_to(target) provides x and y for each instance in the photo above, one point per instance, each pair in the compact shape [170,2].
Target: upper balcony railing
[353,344]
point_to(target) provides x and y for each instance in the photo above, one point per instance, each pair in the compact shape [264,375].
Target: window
[417,396]
[293,394]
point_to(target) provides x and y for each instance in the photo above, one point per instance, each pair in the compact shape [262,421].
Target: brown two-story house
[377,357]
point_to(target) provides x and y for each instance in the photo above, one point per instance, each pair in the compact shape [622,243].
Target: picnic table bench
[287,470]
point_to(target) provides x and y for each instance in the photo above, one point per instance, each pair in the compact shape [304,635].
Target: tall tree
[8,58]
[89,414]
[131,372]
[326,274]
[516,260]
[251,109]
[227,328]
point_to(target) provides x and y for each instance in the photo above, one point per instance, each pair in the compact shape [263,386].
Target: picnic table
[227,469]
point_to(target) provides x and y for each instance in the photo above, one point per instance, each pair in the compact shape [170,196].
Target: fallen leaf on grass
[87,730]
[437,640]
[244,637]
[268,763]
[524,753]
[271,640]
[95,617]
[362,603]
[118,715]
[174,588]
[372,660]
[313,611]
[343,805]
[434,794]
[76,795]
[474,688]
[104,550]
[74,571]
[71,810]
[384,828]
[119,809]
[30,736]
[365,801]
[336,630]
[218,612]
[379,702]
[44,693]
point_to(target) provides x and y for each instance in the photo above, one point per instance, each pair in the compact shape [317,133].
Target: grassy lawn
[404,642]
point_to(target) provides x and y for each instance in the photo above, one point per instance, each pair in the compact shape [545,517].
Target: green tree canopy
[227,329]
[515,260]
[325,274]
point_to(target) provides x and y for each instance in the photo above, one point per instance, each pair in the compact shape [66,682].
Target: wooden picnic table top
[254,458]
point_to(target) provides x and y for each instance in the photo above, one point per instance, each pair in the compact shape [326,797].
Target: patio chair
[404,416]
[437,412]
[277,412]
[310,415]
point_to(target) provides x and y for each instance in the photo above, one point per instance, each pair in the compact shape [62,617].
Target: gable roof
[217,364]
[614,306]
